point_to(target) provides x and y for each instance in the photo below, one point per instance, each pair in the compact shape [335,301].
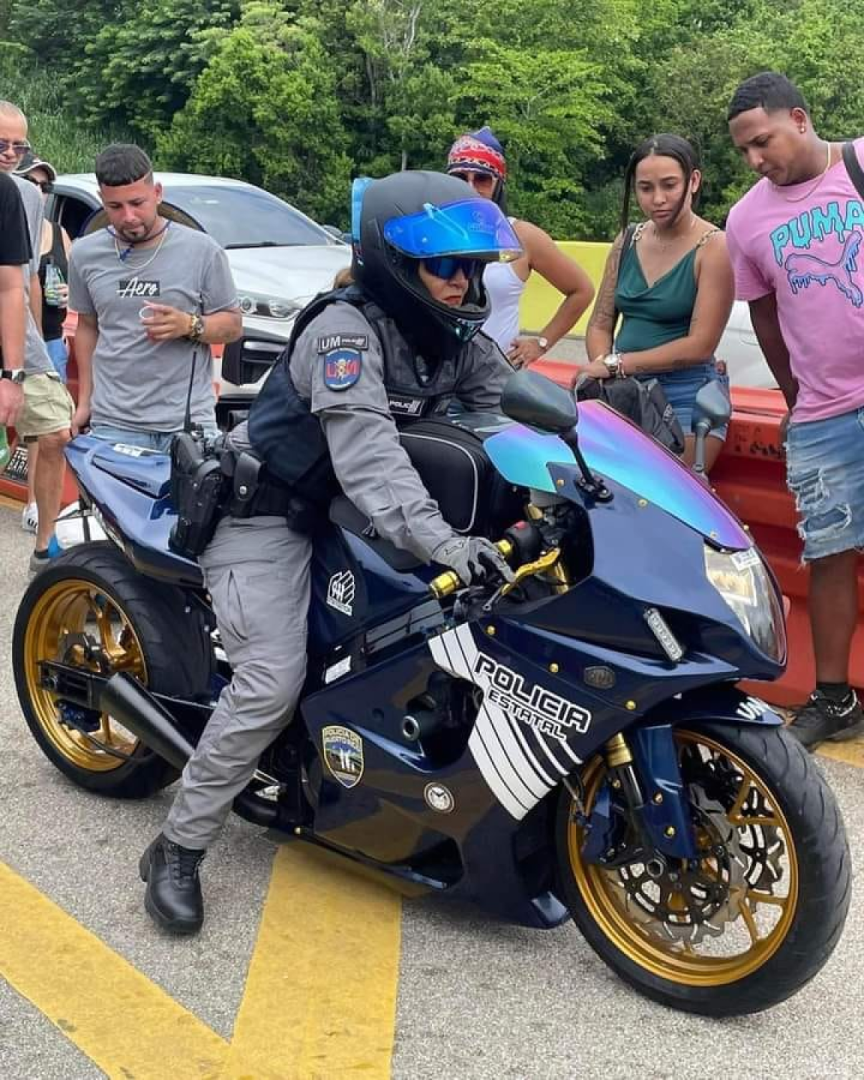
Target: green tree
[265,109]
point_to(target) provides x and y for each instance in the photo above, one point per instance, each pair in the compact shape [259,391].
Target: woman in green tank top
[670,279]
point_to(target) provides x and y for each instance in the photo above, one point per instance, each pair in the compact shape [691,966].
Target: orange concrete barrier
[750,477]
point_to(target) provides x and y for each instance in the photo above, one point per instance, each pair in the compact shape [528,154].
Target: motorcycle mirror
[532,399]
[712,408]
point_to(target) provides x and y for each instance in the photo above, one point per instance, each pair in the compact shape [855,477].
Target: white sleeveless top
[505,289]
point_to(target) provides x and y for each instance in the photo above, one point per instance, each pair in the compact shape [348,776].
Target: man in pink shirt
[795,240]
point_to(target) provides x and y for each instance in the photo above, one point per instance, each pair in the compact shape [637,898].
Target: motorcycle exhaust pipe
[128,701]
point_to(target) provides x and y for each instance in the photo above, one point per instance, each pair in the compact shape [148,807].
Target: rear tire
[91,609]
[800,820]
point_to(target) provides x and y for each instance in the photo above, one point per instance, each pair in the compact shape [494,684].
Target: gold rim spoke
[767,898]
[747,915]
[734,814]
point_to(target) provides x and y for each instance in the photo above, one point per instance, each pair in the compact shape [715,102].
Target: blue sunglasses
[445,266]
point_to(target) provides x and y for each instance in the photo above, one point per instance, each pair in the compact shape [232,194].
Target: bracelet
[619,371]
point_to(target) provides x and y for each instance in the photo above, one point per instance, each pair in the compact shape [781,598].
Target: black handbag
[643,402]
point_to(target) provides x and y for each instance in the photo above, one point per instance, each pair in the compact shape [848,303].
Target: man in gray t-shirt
[151,295]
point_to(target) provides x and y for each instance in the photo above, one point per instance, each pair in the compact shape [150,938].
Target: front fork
[643,773]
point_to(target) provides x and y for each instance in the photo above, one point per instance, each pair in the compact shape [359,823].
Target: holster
[197,493]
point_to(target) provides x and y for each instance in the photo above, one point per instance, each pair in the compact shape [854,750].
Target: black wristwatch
[16,375]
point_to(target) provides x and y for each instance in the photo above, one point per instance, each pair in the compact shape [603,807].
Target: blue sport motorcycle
[571,745]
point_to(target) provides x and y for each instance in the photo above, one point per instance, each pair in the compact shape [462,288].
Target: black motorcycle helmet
[416,215]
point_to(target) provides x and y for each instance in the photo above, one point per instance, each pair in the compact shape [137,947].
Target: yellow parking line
[120,1019]
[850,753]
[321,991]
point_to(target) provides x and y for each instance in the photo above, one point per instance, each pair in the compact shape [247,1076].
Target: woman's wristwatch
[613,364]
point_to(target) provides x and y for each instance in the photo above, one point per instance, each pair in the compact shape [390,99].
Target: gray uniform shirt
[137,383]
[36,358]
[371,466]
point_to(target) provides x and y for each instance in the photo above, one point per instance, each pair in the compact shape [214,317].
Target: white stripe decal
[527,773]
[532,757]
[507,770]
[487,771]
[503,752]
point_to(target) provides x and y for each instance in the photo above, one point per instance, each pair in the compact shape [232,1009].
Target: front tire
[90,609]
[763,909]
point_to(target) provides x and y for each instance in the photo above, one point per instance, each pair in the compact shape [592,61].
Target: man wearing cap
[478,158]
[46,415]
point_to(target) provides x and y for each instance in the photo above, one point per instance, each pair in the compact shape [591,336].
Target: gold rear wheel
[92,612]
[76,623]
[705,934]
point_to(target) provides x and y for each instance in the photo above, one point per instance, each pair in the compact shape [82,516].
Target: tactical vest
[289,438]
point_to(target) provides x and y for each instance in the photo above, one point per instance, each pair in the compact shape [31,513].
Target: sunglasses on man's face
[447,266]
[45,186]
[18,148]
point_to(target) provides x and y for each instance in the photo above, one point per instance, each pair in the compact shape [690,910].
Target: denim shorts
[681,388]
[160,441]
[825,473]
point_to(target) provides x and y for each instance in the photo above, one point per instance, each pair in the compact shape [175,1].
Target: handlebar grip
[449,582]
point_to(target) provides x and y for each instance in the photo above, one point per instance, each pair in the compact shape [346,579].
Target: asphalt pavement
[473,998]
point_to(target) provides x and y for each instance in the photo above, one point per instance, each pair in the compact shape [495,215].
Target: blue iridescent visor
[475,228]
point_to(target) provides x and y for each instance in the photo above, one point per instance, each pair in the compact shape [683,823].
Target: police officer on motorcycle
[400,343]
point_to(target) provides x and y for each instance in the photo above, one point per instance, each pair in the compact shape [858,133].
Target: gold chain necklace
[810,190]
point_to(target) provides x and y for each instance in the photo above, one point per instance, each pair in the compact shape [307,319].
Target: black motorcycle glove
[473,559]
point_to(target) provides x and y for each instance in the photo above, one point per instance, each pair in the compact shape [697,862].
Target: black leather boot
[173,897]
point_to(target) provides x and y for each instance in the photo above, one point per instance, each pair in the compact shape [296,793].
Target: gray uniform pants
[257,573]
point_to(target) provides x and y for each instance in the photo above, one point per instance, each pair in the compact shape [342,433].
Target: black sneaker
[822,720]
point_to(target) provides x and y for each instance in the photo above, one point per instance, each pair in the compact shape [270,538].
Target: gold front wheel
[748,922]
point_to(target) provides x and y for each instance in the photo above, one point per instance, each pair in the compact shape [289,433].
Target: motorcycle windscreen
[619,451]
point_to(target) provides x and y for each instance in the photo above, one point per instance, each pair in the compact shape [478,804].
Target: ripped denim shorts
[825,473]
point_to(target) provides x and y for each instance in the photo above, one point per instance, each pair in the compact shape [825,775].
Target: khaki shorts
[48,406]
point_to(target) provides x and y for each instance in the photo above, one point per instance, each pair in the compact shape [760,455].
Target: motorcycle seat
[139,468]
[346,515]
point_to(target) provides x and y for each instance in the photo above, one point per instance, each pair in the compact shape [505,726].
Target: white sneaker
[30,518]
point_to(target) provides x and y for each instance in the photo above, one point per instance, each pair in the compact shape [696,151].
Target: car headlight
[741,579]
[267,307]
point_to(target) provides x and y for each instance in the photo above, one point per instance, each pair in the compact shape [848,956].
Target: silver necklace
[142,266]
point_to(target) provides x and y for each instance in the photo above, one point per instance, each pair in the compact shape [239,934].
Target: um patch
[342,368]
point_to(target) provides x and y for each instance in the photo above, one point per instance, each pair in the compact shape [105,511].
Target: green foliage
[298,95]
[55,129]
[265,109]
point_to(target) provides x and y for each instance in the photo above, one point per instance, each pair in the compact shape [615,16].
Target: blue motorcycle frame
[632,632]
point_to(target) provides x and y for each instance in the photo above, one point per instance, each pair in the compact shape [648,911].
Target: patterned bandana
[478,151]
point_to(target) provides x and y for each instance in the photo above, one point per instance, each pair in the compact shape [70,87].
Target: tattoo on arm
[604,315]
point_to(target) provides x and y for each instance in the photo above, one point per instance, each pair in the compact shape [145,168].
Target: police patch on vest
[342,368]
[405,406]
[329,342]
